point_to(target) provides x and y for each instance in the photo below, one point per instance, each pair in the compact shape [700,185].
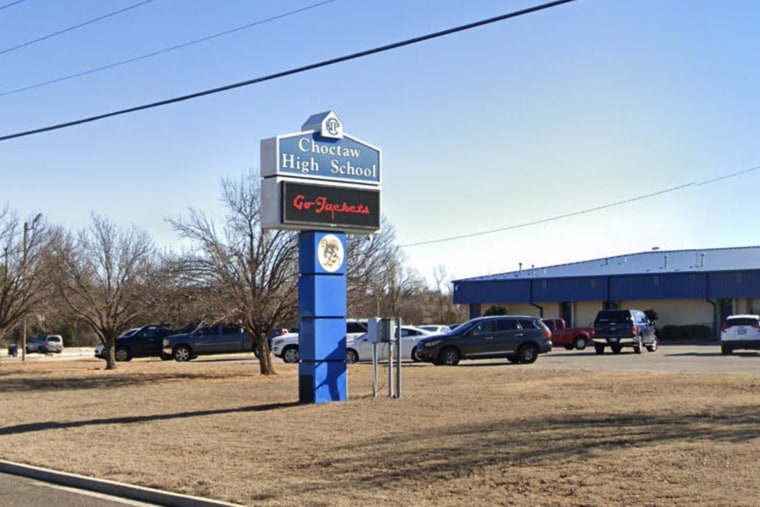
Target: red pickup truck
[569,337]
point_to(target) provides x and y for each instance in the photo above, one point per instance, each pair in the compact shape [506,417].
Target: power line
[11,4]
[161,51]
[71,28]
[582,212]
[297,70]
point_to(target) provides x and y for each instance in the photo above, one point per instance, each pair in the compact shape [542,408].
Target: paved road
[22,492]
[669,358]
[68,353]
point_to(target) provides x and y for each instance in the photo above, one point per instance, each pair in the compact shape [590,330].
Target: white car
[359,348]
[286,346]
[740,332]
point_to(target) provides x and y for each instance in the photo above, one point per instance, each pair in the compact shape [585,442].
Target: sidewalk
[111,488]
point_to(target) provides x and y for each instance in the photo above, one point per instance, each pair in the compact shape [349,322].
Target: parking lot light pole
[23,272]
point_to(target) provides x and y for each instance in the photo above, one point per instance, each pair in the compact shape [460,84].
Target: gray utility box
[381,330]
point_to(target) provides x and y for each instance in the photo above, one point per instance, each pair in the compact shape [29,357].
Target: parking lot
[667,359]
[681,358]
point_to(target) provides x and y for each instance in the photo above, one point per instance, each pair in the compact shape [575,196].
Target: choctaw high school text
[337,167]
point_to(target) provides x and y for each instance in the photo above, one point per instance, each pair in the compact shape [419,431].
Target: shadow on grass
[78,382]
[51,425]
[437,454]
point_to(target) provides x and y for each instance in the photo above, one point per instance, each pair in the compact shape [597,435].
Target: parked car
[359,347]
[45,343]
[623,328]
[569,337]
[286,347]
[275,333]
[143,341]
[518,338]
[436,328]
[100,346]
[214,339]
[740,332]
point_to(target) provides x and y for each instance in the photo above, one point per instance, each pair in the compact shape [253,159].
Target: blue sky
[548,115]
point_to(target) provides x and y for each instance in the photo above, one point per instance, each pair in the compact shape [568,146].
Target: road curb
[112,488]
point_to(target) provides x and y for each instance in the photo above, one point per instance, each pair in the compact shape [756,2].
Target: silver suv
[45,344]
[740,332]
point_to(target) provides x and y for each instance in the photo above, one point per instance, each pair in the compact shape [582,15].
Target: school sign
[324,183]
[338,179]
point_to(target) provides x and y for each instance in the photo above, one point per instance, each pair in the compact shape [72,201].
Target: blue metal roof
[652,262]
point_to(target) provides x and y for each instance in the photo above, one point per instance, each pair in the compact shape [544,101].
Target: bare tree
[372,262]
[106,275]
[241,272]
[24,283]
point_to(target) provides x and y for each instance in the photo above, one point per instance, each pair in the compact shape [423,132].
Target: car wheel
[725,350]
[527,353]
[616,349]
[351,356]
[123,354]
[416,357]
[580,342]
[290,354]
[652,347]
[599,349]
[449,356]
[637,345]
[182,353]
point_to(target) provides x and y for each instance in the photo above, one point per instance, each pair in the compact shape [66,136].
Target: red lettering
[322,205]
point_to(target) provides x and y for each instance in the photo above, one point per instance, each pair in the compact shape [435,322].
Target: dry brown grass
[478,434]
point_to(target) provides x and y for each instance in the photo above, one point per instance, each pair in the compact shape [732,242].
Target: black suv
[141,342]
[623,328]
[520,339]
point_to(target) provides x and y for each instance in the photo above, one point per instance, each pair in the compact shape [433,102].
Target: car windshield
[741,321]
[613,316]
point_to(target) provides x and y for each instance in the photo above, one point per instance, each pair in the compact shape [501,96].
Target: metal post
[398,356]
[390,368]
[374,370]
[23,268]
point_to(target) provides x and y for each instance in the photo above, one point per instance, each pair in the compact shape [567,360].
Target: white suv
[740,332]
[286,346]
[45,344]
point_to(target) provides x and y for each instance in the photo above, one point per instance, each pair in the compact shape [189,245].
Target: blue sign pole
[322,310]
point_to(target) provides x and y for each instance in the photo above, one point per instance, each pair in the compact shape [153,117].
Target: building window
[656,280]
[593,283]
[544,284]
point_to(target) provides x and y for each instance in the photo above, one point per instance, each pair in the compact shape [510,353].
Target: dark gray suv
[623,328]
[518,338]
